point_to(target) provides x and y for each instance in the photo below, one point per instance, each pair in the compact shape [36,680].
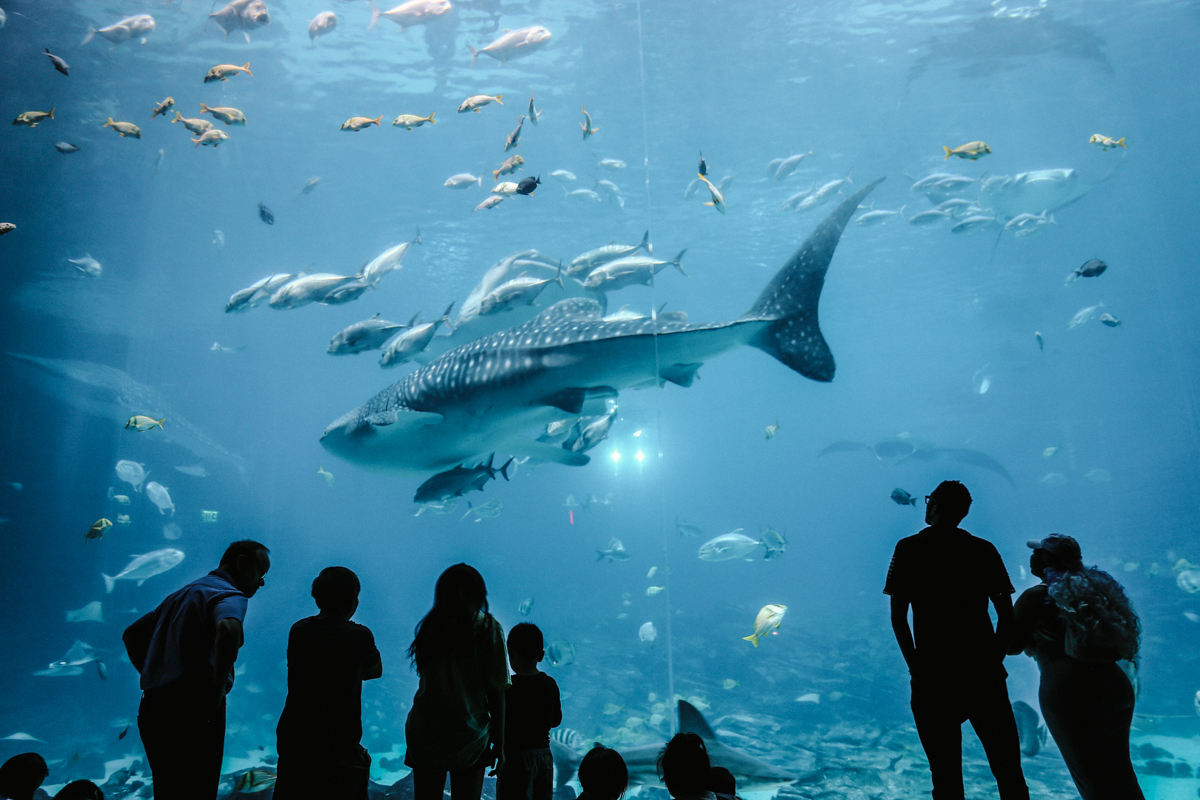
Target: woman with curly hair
[1078,624]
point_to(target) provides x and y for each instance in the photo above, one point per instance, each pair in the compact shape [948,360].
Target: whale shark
[752,774]
[486,395]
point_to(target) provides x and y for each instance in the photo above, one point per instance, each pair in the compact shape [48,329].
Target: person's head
[526,647]
[1057,551]
[683,765]
[946,505]
[247,563]
[460,590]
[603,774]
[335,591]
[21,776]
[721,781]
[80,790]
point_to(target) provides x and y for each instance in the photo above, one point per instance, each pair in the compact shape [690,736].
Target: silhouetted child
[80,790]
[603,774]
[328,658]
[21,776]
[722,783]
[684,767]
[532,708]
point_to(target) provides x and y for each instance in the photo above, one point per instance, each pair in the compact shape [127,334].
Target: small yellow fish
[478,101]
[197,126]
[124,129]
[223,72]
[411,121]
[32,118]
[772,430]
[970,150]
[1107,142]
[256,780]
[163,107]
[653,590]
[97,530]
[358,123]
[143,423]
[211,138]
[769,616]
[328,476]
[730,683]
[588,130]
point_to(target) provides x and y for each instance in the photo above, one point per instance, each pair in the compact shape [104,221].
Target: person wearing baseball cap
[1079,626]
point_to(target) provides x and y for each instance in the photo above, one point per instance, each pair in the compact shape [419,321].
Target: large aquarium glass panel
[663,315]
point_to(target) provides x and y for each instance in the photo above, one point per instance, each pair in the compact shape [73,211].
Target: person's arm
[374,667]
[903,632]
[1021,637]
[1004,622]
[225,651]
[555,704]
[137,640]
[495,705]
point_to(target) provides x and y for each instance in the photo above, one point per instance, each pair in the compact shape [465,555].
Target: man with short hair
[956,660]
[185,651]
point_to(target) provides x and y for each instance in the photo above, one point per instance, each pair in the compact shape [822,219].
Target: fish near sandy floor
[211,138]
[358,123]
[971,150]
[321,25]
[124,129]
[32,118]
[513,44]
[197,125]
[478,101]
[128,28]
[223,72]
[243,15]
[227,114]
[410,121]
[59,64]
[414,12]
[163,107]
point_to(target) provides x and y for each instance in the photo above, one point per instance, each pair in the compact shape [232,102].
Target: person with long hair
[456,724]
[1078,624]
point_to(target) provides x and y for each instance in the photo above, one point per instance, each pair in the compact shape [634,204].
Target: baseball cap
[1060,546]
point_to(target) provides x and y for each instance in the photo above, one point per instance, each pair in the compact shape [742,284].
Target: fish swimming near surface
[413,12]
[410,121]
[482,396]
[144,567]
[107,392]
[128,28]
[243,15]
[458,481]
[513,44]
[751,774]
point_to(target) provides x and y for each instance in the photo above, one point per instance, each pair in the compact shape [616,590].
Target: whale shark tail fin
[790,299]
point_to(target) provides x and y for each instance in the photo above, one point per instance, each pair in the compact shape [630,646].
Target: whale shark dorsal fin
[692,721]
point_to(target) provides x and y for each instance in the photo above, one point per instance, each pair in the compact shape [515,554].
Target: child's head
[683,765]
[336,591]
[603,774]
[721,781]
[526,647]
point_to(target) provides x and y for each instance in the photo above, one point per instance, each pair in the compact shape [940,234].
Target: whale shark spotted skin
[484,396]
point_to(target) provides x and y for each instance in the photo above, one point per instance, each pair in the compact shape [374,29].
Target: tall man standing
[185,651]
[956,660]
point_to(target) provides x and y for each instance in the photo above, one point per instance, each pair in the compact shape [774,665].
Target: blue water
[919,320]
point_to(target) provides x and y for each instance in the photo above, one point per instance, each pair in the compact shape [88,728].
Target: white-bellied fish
[788,165]
[144,567]
[59,64]
[463,180]
[407,344]
[718,198]
[227,114]
[477,101]
[140,423]
[1105,142]
[410,121]
[522,290]
[124,129]
[729,546]
[586,262]
[413,12]
[66,148]
[387,261]
[243,15]
[30,119]
[131,472]
[614,552]
[513,44]
[358,123]
[322,24]
[128,28]
[490,202]
[306,289]
[768,619]
[370,334]
[161,497]
[87,265]
[197,126]
[532,112]
[510,165]
[211,138]
[628,271]
[161,109]
[970,150]
[223,72]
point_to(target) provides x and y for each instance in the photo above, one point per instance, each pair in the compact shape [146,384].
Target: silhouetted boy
[532,708]
[956,660]
[603,774]
[318,734]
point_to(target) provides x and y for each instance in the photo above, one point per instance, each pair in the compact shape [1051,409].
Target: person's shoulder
[360,632]
[547,681]
[916,540]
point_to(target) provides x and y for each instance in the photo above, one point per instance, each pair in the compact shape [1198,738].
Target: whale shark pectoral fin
[692,721]
[571,400]
[680,374]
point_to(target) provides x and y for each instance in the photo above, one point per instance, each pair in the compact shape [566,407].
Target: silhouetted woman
[1078,624]
[456,724]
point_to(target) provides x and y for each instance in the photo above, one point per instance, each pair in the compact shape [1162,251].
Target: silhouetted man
[957,660]
[185,651]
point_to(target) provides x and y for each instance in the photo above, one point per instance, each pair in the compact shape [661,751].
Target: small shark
[751,774]
[483,396]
